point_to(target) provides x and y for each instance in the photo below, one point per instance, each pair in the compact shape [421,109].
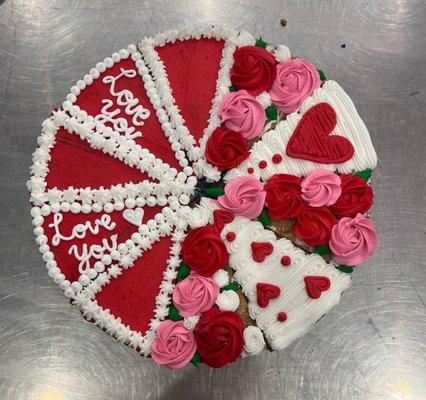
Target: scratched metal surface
[370,347]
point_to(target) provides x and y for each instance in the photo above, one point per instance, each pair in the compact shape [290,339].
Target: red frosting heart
[221,218]
[260,250]
[315,285]
[312,139]
[266,292]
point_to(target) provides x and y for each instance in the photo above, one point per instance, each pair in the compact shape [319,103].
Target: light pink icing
[294,82]
[174,345]
[321,188]
[353,240]
[241,112]
[243,196]
[195,294]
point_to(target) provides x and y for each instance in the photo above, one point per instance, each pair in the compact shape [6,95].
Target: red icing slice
[75,163]
[260,250]
[266,292]
[192,67]
[153,139]
[221,218]
[68,263]
[312,139]
[315,285]
[131,296]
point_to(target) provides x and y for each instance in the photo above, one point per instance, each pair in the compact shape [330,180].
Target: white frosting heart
[133,216]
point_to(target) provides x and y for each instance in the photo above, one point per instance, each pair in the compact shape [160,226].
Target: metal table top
[370,347]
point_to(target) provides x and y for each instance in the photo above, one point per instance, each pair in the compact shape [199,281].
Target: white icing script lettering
[123,98]
[96,251]
[79,231]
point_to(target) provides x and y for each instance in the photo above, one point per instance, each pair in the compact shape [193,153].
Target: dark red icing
[221,218]
[192,67]
[131,296]
[230,236]
[260,250]
[282,316]
[315,285]
[277,158]
[285,261]
[263,164]
[265,293]
[75,163]
[312,141]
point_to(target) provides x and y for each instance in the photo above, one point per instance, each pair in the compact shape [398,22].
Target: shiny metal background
[372,346]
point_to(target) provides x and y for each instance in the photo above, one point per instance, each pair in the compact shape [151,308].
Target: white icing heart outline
[134,216]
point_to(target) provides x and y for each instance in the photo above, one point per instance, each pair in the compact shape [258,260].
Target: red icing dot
[250,170]
[277,158]
[282,316]
[230,236]
[263,164]
[285,261]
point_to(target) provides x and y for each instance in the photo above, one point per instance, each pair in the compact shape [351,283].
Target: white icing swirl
[254,342]
[221,277]
[228,300]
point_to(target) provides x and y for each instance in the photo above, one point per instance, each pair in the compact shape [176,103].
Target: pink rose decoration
[241,112]
[243,196]
[321,188]
[353,240]
[195,294]
[295,81]
[174,345]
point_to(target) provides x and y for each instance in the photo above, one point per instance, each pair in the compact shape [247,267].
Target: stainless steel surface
[372,346]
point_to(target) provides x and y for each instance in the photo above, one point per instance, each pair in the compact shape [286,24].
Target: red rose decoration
[253,69]
[357,197]
[313,225]
[226,149]
[283,196]
[204,251]
[219,337]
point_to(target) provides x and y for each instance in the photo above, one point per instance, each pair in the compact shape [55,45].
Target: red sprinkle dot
[250,170]
[282,316]
[230,236]
[263,164]
[286,261]
[277,158]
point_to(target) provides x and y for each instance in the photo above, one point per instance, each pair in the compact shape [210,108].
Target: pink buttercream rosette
[353,240]
[321,188]
[294,82]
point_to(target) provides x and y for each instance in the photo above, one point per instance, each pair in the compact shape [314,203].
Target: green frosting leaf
[261,43]
[232,88]
[321,75]
[195,359]
[183,272]
[174,314]
[264,219]
[322,250]
[366,174]
[212,192]
[231,286]
[346,269]
[271,113]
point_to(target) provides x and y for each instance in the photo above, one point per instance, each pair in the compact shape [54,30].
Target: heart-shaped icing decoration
[221,218]
[315,285]
[265,293]
[133,216]
[312,139]
[260,250]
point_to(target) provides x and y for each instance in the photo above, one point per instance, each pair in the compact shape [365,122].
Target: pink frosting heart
[353,240]
[294,82]
[243,196]
[195,294]
[174,345]
[321,188]
[241,112]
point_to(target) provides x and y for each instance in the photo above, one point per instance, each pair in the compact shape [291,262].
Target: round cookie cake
[203,196]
